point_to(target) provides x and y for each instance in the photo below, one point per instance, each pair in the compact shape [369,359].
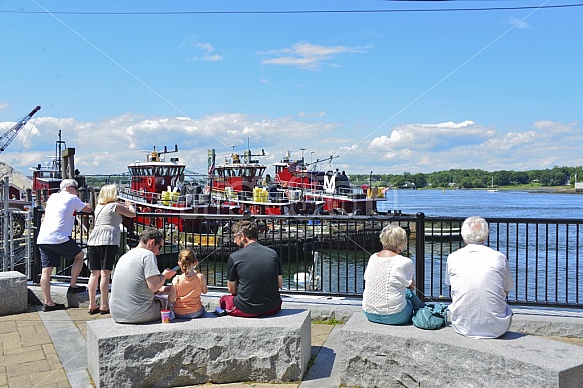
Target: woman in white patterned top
[388,296]
[104,243]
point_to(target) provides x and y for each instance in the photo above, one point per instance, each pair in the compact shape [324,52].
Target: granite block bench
[13,293]
[375,355]
[208,349]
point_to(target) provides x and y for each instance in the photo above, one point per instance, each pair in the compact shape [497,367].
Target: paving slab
[324,371]
[70,345]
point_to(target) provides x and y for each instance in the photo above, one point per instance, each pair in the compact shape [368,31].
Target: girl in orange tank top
[184,295]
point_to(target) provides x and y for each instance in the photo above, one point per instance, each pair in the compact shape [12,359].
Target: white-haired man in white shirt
[480,280]
[54,239]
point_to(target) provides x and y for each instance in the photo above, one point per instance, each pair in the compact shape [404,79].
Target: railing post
[5,223]
[35,272]
[420,255]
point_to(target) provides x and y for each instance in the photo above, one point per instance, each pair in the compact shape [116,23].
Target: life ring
[207,189]
[149,181]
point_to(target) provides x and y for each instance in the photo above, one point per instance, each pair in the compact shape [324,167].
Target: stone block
[80,299]
[375,355]
[323,308]
[549,325]
[209,349]
[13,293]
[60,295]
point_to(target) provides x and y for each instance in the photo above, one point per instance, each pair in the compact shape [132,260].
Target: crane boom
[7,137]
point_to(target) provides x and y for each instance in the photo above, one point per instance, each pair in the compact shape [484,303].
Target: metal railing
[544,257]
[327,255]
[16,243]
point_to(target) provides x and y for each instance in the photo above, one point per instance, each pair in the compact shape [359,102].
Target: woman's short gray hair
[393,237]
[475,230]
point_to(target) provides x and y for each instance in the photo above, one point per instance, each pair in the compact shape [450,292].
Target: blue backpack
[431,317]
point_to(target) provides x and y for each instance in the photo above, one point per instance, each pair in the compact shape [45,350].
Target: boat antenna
[156,156]
[329,159]
[59,146]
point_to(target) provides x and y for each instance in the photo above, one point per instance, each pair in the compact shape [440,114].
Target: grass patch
[311,363]
[330,321]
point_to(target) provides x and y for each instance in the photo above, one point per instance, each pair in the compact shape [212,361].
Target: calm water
[549,267]
[541,265]
[464,203]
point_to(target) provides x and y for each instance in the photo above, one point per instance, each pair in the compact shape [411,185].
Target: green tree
[419,180]
[558,177]
[478,183]
[520,178]
[503,178]
[467,183]
[545,178]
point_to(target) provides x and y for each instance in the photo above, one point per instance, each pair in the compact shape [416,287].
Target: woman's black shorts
[102,257]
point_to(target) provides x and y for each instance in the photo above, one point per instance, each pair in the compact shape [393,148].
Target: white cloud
[518,23]
[555,128]
[206,48]
[317,114]
[3,105]
[212,58]
[511,140]
[433,147]
[109,145]
[308,56]
[432,137]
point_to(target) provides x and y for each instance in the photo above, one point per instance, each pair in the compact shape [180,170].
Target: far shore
[534,190]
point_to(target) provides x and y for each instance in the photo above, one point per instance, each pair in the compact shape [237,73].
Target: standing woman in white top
[388,296]
[104,243]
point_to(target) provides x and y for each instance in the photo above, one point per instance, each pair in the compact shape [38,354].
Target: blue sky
[387,92]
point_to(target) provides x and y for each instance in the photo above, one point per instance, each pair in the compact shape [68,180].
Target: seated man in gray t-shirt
[137,279]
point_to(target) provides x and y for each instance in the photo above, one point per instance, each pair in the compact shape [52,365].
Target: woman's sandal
[94,311]
[103,312]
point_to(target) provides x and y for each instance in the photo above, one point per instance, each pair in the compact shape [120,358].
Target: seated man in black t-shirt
[254,276]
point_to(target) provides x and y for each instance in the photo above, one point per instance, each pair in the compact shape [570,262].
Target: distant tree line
[474,178]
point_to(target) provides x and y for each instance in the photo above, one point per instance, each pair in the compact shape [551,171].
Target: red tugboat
[243,182]
[295,190]
[330,187]
[158,186]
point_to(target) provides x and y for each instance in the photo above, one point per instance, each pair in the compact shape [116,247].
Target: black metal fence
[327,255]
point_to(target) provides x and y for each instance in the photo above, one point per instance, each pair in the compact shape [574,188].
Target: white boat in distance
[492,189]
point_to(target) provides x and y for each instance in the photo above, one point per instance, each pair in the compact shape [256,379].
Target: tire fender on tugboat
[147,220]
[158,221]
